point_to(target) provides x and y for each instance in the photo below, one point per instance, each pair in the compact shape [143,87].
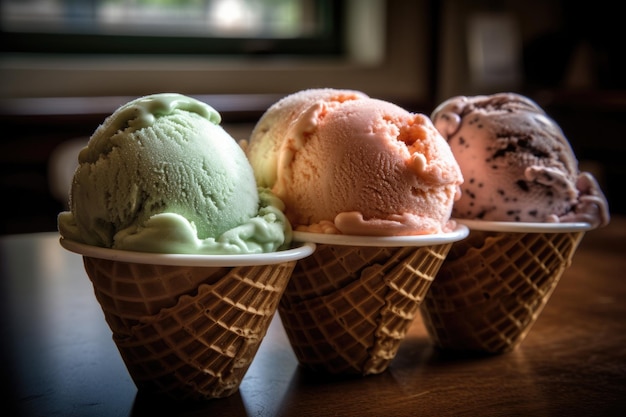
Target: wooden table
[59,359]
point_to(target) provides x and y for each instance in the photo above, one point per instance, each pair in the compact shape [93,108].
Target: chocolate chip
[523,185]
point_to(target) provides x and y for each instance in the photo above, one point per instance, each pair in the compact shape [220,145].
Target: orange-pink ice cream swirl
[366,167]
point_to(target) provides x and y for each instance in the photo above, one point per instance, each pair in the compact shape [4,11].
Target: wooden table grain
[59,358]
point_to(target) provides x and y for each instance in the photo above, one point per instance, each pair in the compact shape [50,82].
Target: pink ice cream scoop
[517,163]
[269,132]
[366,167]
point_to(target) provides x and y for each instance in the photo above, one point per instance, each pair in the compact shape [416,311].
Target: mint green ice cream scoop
[161,175]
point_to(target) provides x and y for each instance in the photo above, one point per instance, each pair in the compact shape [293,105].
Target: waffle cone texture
[346,309]
[492,288]
[188,332]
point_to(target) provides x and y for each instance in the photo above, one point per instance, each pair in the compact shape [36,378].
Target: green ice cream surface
[161,175]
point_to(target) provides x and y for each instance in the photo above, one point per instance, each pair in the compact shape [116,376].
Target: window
[384,50]
[232,27]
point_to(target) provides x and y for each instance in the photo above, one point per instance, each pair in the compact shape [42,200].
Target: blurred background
[67,64]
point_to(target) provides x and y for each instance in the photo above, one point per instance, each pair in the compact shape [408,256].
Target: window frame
[329,41]
[391,54]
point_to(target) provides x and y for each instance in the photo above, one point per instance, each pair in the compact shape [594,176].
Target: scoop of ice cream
[269,132]
[161,175]
[365,167]
[517,163]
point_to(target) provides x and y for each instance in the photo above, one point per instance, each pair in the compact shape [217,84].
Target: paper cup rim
[459,233]
[524,227]
[299,251]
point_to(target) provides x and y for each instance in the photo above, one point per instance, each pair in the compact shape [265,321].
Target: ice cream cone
[203,345]
[347,307]
[493,286]
[189,331]
[128,291]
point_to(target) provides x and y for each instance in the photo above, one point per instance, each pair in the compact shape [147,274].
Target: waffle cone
[189,342]
[128,291]
[346,309]
[493,286]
